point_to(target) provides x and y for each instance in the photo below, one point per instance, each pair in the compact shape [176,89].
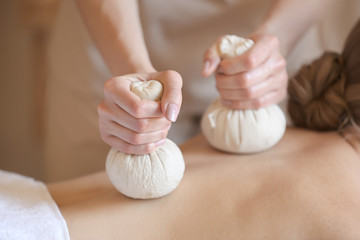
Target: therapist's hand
[255,79]
[133,125]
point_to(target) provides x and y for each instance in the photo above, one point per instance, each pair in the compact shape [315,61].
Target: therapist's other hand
[255,79]
[133,125]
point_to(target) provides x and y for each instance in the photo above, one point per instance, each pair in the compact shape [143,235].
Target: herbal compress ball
[241,131]
[151,175]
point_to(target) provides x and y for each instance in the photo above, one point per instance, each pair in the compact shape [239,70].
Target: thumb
[211,60]
[172,96]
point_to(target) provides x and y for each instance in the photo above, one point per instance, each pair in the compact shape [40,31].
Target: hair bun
[351,56]
[316,94]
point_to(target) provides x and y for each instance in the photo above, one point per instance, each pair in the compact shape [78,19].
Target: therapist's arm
[116,30]
[258,78]
[125,122]
[288,20]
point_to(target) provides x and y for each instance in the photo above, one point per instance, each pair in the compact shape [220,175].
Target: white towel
[27,210]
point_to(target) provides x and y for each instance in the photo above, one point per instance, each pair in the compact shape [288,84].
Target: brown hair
[325,95]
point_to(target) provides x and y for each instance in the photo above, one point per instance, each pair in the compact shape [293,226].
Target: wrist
[143,68]
[132,67]
[269,29]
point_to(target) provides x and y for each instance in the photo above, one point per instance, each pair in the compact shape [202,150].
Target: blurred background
[25,27]
[25,30]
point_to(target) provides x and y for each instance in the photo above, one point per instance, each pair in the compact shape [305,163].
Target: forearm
[116,30]
[289,19]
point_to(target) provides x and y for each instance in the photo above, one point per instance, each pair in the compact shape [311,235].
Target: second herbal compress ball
[241,131]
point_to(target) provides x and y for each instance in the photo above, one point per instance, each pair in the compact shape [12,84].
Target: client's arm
[306,187]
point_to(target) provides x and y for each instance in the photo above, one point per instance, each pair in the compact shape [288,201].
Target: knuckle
[136,139]
[227,66]
[102,126]
[148,148]
[280,81]
[250,61]
[172,81]
[164,133]
[236,105]
[249,93]
[171,74]
[167,125]
[244,80]
[141,125]
[101,109]
[108,86]
[281,62]
[138,110]
[258,103]
[106,138]
[226,98]
[273,40]
[223,95]
[126,148]
[283,94]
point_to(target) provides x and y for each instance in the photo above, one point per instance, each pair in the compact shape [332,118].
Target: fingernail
[172,111]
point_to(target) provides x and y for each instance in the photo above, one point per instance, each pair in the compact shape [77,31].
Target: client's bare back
[306,187]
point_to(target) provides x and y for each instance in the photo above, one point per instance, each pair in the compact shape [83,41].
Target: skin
[254,80]
[116,30]
[258,78]
[306,187]
[139,126]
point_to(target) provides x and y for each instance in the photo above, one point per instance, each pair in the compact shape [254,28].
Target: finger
[136,138]
[125,147]
[111,112]
[264,46]
[117,90]
[237,94]
[211,59]
[271,66]
[116,136]
[268,99]
[172,96]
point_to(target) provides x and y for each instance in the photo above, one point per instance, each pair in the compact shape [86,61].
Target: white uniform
[177,32]
[177,36]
